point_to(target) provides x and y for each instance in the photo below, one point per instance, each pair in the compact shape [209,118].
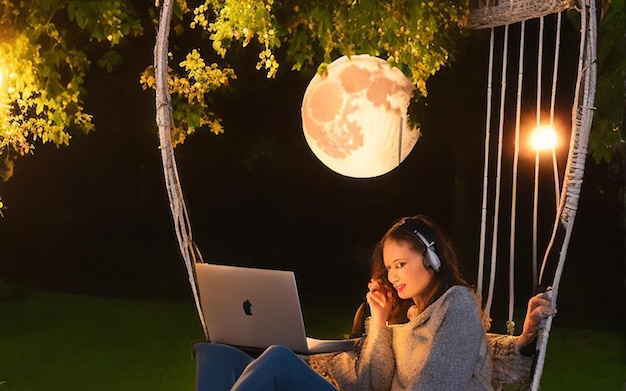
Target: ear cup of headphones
[427,236]
[431,259]
[426,261]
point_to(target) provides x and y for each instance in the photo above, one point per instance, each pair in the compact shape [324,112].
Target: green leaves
[109,60]
[43,55]
[43,61]
[190,94]
[105,20]
[608,126]
[241,21]
[417,37]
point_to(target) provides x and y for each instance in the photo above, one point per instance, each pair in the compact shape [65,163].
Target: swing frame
[502,15]
[485,15]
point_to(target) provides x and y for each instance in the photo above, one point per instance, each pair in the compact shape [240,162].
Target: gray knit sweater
[442,348]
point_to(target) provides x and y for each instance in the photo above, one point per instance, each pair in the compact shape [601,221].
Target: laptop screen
[251,308]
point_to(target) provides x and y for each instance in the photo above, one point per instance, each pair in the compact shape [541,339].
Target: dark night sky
[97,211]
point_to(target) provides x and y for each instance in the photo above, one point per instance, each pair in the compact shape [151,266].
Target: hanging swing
[498,16]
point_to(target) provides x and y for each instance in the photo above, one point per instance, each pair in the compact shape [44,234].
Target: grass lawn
[54,341]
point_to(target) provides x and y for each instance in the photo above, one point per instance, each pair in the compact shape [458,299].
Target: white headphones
[419,228]
[431,259]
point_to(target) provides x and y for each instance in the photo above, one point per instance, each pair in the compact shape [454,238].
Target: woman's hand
[379,301]
[539,308]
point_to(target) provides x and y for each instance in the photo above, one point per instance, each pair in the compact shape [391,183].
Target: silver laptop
[255,308]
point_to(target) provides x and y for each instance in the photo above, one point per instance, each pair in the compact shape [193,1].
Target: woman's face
[406,270]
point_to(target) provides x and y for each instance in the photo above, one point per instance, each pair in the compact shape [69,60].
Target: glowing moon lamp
[354,117]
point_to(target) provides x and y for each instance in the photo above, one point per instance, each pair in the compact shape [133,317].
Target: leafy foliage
[191,94]
[417,37]
[43,62]
[608,128]
[309,35]
[47,50]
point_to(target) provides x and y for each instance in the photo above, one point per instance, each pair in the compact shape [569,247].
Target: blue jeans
[223,368]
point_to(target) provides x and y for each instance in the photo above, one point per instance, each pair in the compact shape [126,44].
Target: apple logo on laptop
[247,307]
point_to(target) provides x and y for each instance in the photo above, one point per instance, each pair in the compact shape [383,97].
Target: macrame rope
[518,111]
[182,227]
[503,12]
[496,215]
[555,72]
[585,61]
[539,70]
[566,198]
[582,115]
[538,123]
[483,215]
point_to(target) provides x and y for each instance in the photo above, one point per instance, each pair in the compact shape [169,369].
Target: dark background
[94,217]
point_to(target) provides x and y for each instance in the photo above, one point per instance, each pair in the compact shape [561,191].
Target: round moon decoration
[355,117]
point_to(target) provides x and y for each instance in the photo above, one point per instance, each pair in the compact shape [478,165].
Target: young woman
[437,343]
[442,346]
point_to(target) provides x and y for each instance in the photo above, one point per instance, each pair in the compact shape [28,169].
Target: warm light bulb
[544,137]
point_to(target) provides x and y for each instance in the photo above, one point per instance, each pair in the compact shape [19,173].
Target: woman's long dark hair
[404,230]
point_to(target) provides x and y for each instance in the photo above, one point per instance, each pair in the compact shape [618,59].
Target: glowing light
[543,138]
[354,117]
